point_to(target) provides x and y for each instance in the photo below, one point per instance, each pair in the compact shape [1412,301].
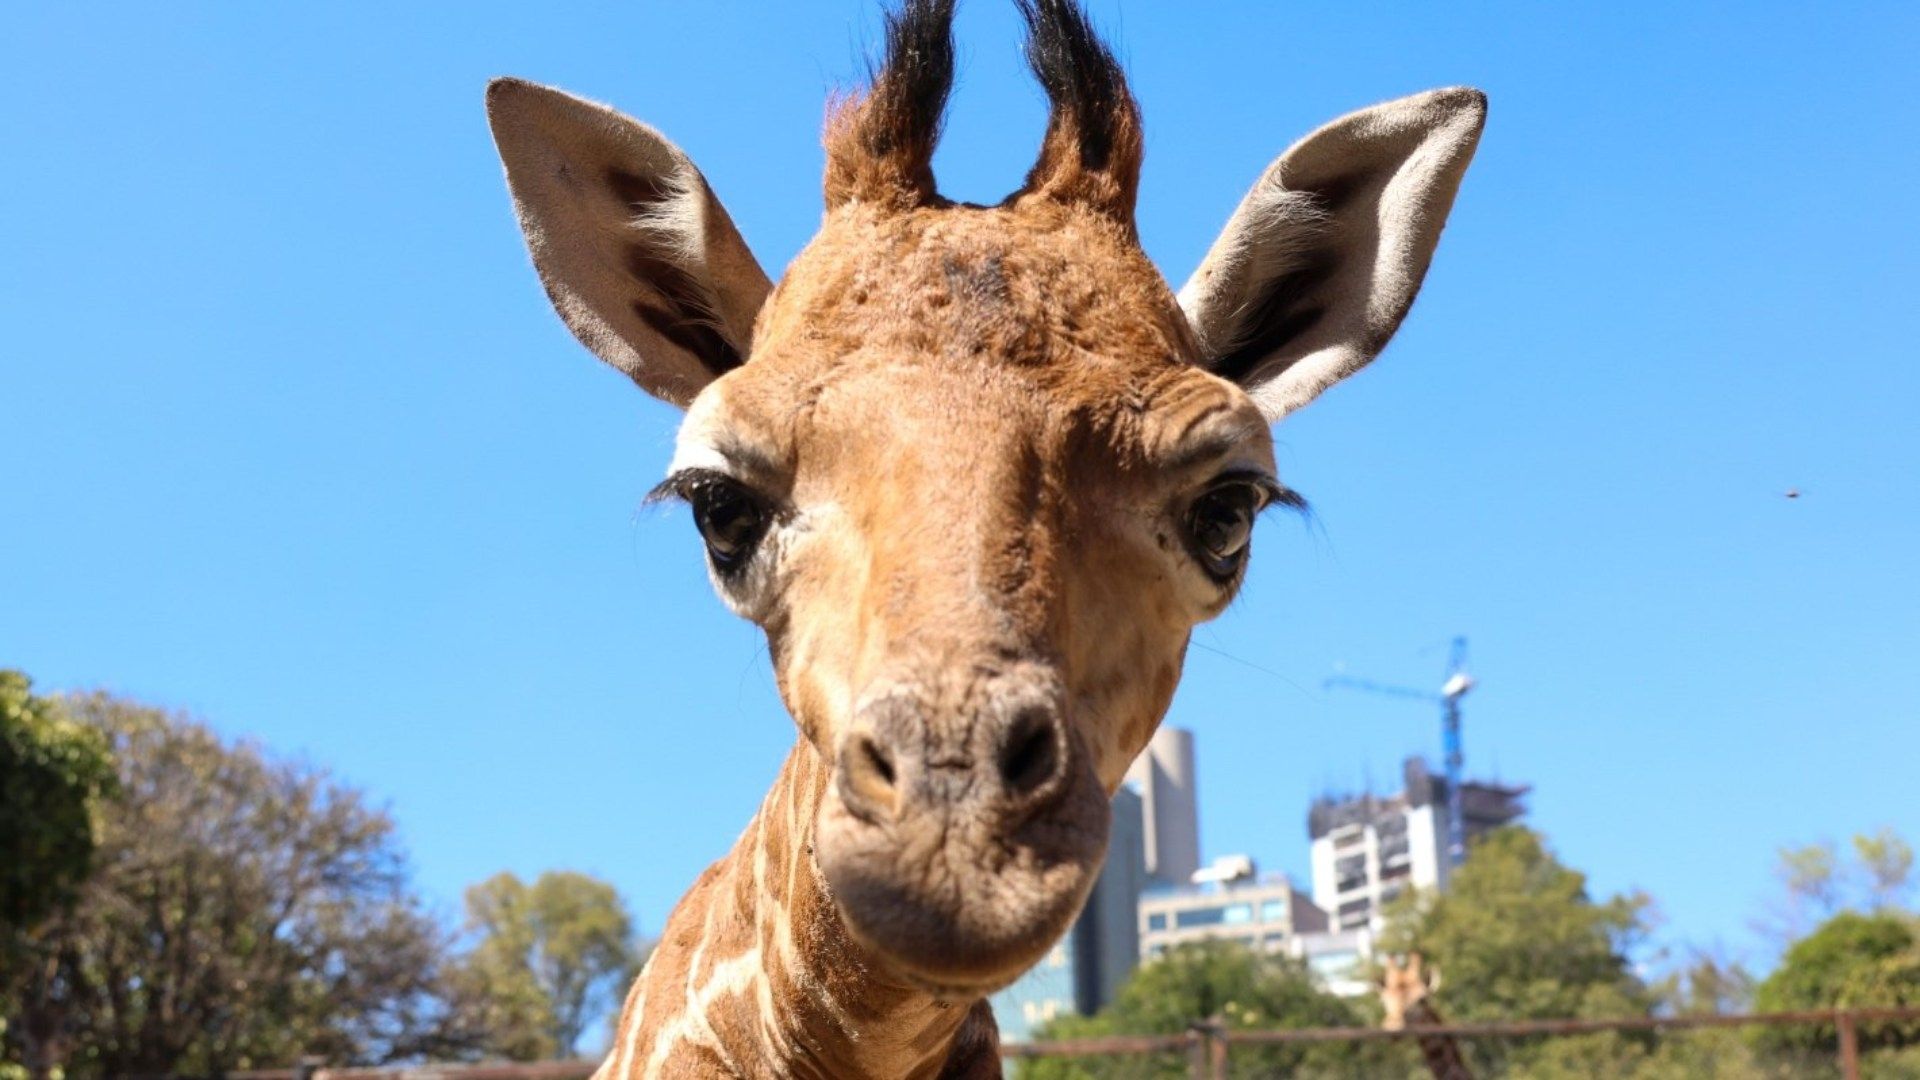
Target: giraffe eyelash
[681,485]
[1273,492]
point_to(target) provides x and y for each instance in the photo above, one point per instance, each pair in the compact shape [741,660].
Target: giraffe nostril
[1031,756]
[869,779]
[878,761]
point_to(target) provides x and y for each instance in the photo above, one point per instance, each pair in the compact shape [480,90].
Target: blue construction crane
[1456,687]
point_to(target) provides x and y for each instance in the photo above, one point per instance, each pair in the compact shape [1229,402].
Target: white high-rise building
[1164,776]
[1369,849]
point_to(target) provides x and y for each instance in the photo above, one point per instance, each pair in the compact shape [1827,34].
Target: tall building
[1368,849]
[1164,776]
[1087,967]
[1106,936]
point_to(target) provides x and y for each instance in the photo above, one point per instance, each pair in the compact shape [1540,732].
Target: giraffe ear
[638,256]
[1321,261]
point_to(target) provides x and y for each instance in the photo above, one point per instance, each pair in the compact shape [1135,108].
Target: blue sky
[294,442]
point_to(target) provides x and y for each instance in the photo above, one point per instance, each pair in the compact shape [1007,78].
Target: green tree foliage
[52,773]
[1235,986]
[242,911]
[1817,881]
[1708,986]
[1810,888]
[551,958]
[1886,862]
[1517,936]
[1854,959]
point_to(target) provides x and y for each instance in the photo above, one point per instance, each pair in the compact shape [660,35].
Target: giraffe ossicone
[977,471]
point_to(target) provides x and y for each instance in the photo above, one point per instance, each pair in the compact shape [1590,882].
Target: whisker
[1223,654]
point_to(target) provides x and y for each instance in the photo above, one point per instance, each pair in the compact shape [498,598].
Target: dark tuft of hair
[907,104]
[880,144]
[1083,81]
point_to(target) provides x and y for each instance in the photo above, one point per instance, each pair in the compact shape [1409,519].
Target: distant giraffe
[978,472]
[1406,992]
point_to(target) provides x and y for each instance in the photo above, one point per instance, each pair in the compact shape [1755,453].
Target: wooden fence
[1208,1047]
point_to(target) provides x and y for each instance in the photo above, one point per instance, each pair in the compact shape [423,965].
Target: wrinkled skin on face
[978,434]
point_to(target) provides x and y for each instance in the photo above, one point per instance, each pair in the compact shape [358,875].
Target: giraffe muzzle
[1007,766]
[960,842]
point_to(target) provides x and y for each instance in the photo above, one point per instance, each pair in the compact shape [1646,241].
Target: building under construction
[1368,849]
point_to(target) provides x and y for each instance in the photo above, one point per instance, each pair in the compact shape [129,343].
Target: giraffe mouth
[959,904]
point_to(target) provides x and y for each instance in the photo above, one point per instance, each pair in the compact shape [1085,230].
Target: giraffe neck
[1442,1053]
[756,975]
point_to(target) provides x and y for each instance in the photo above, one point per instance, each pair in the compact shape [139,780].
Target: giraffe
[977,471]
[1406,993]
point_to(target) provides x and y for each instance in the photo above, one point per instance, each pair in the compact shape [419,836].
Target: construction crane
[1456,686]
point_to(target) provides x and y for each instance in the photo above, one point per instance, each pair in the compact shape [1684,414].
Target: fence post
[1849,1044]
[1217,1051]
[1207,1053]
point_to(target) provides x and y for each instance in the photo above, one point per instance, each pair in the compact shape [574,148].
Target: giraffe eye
[731,520]
[1220,526]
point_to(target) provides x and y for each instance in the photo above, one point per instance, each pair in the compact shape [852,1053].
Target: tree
[1817,883]
[52,774]
[1233,985]
[1810,885]
[1516,936]
[552,957]
[1709,985]
[1853,959]
[1886,862]
[242,912]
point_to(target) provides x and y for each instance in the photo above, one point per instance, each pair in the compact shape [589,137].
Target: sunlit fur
[975,437]
[1406,1001]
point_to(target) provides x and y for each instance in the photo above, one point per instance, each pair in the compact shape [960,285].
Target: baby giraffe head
[976,470]
[1404,986]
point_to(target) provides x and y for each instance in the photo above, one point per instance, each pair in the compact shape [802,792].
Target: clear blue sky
[294,442]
